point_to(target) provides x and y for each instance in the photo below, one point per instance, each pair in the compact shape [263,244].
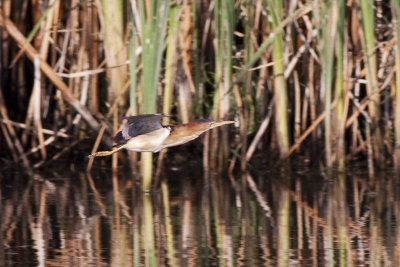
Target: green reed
[339,86]
[132,73]
[153,18]
[280,91]
[328,19]
[252,49]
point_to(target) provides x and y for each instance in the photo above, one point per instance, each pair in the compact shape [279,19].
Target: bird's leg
[106,153]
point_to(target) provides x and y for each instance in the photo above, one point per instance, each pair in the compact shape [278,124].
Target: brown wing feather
[183,133]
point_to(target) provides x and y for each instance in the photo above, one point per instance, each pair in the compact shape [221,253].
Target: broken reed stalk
[46,20]
[9,142]
[305,9]
[95,146]
[36,94]
[45,131]
[57,155]
[70,36]
[104,126]
[33,32]
[260,132]
[13,142]
[48,141]
[366,101]
[49,72]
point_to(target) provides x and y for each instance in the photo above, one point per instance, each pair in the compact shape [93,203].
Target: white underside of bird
[149,142]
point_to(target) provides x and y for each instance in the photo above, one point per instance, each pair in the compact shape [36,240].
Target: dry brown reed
[316,63]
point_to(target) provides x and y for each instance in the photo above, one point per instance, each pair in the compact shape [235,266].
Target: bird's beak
[219,123]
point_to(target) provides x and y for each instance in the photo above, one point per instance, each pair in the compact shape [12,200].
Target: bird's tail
[106,153]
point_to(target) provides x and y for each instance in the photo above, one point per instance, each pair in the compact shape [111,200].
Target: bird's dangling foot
[101,154]
[106,153]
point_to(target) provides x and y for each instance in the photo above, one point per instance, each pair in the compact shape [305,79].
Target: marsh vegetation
[316,80]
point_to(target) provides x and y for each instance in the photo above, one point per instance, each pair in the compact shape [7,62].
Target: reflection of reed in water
[74,219]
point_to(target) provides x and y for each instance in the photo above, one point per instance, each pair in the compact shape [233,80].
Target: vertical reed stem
[339,94]
[153,20]
[280,92]
[396,5]
[132,73]
[328,35]
[367,18]
[114,45]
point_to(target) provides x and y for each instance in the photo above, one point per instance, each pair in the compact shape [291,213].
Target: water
[67,218]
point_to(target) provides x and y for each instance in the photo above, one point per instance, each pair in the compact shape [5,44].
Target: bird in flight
[145,133]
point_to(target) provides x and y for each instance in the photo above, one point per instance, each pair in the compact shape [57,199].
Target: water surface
[69,218]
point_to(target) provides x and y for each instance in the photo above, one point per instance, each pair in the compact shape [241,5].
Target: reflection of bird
[145,133]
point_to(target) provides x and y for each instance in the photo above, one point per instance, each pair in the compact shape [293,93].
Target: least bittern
[145,133]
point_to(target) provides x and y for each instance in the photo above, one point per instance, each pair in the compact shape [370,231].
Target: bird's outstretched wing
[138,125]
